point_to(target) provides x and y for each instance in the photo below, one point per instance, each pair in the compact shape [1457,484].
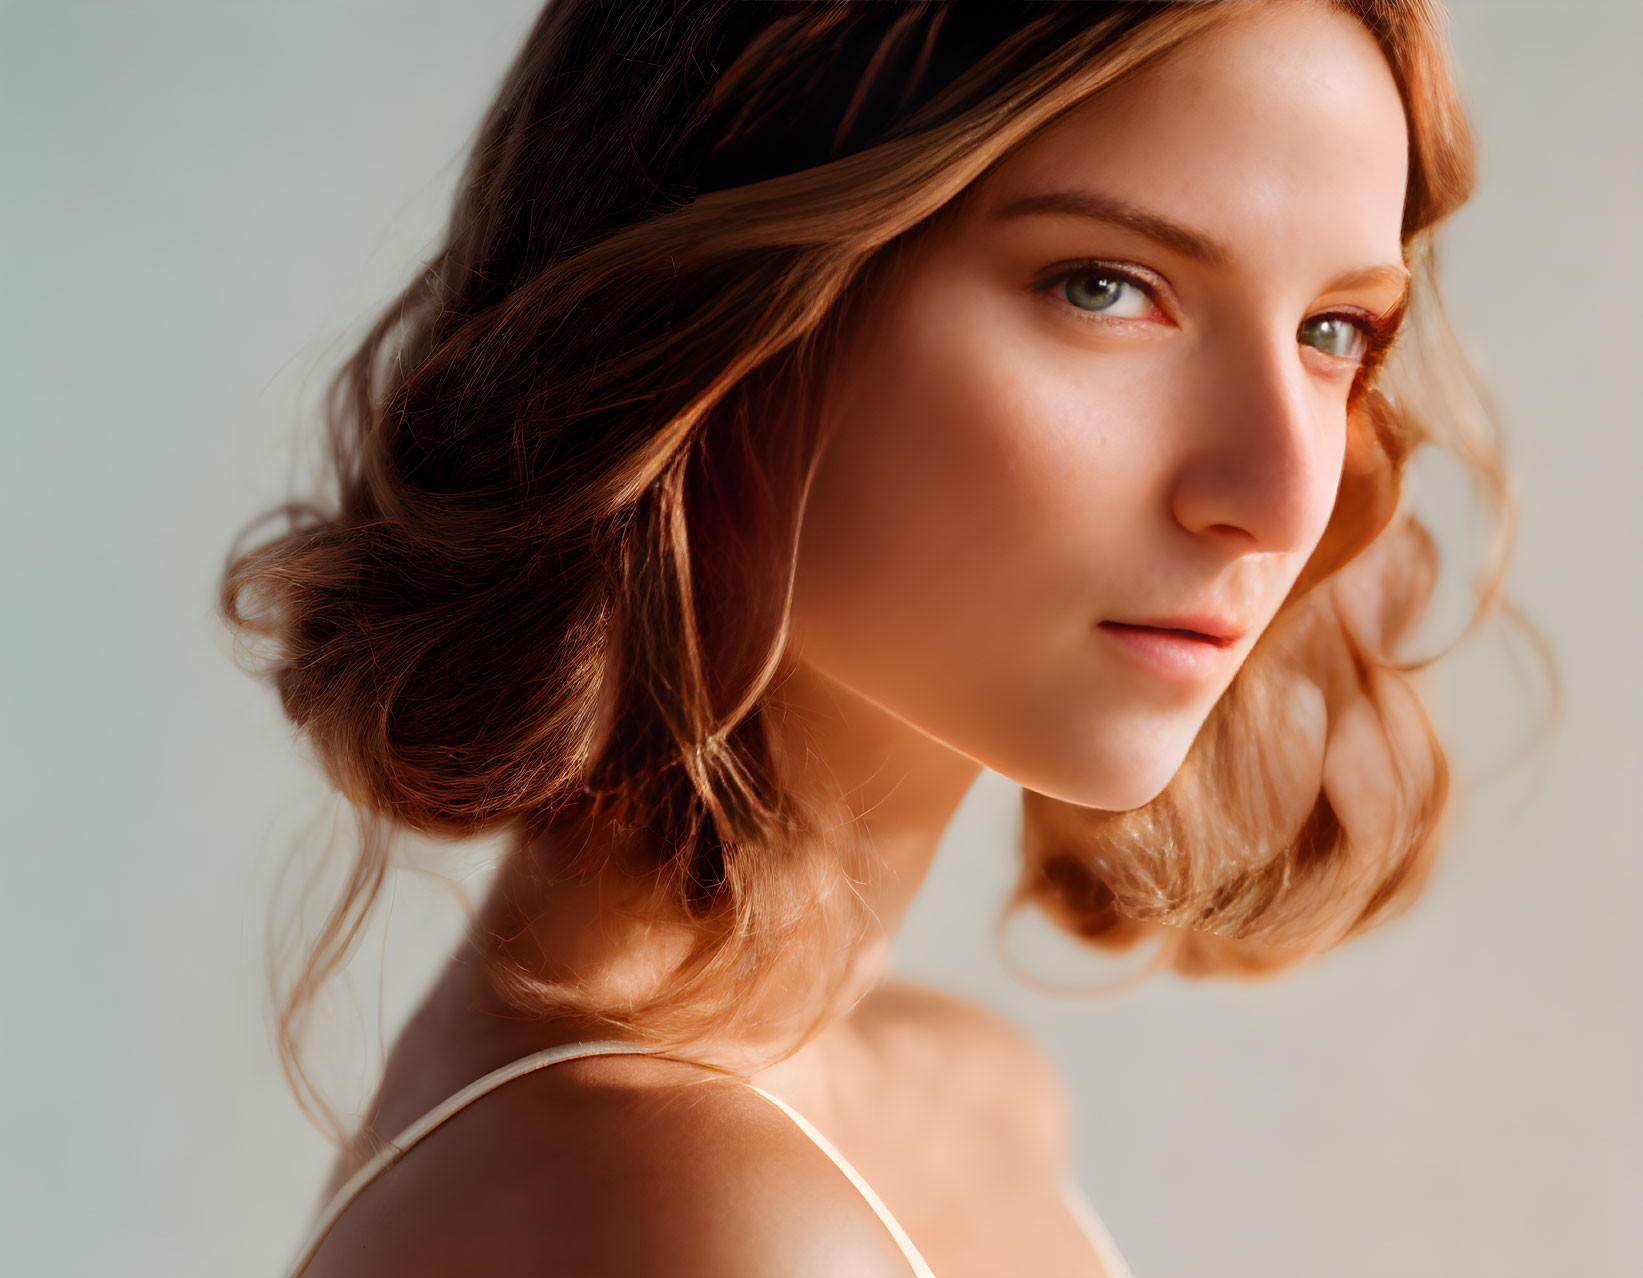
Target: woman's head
[1111,386]
[753,340]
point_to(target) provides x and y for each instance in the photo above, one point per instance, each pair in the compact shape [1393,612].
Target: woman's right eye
[1106,292]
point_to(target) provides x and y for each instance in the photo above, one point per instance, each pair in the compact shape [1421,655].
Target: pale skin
[1014,463]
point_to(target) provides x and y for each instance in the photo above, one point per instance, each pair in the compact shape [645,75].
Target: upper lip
[1217,630]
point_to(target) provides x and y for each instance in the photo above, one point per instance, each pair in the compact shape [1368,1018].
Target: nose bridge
[1256,466]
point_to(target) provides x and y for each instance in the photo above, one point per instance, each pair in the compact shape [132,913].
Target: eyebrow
[1193,244]
[1104,208]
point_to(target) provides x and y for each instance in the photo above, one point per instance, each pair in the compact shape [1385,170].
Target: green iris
[1098,292]
[1334,335]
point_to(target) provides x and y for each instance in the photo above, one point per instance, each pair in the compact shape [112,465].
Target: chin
[1117,781]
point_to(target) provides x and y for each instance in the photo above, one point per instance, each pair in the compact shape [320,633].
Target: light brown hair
[569,463]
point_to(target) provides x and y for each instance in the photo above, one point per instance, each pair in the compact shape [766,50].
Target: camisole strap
[920,1268]
[394,1151]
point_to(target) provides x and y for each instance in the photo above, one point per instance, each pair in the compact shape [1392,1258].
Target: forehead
[1282,124]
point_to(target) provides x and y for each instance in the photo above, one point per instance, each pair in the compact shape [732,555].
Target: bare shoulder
[613,1166]
[978,1058]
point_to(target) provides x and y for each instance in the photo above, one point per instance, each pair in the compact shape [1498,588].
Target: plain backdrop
[199,201]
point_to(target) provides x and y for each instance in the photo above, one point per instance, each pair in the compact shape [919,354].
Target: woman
[811,405]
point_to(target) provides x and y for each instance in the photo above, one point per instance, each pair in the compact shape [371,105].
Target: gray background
[202,198]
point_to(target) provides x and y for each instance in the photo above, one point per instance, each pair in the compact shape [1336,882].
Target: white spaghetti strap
[1079,1204]
[920,1268]
[395,1150]
[385,1158]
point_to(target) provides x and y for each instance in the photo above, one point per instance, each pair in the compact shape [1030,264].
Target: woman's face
[1111,389]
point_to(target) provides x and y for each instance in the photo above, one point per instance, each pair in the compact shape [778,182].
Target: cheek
[988,480]
[988,493]
[959,496]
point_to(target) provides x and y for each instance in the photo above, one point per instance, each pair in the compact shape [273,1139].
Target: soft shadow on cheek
[918,525]
[1061,445]
[995,424]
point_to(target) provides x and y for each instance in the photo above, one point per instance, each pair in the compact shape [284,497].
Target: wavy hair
[568,465]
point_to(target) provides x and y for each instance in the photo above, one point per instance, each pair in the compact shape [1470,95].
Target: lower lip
[1169,653]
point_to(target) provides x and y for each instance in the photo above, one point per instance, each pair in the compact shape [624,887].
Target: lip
[1180,651]
[1200,625]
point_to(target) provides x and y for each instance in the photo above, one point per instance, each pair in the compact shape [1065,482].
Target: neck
[900,788]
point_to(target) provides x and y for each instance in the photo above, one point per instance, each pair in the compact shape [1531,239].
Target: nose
[1264,459]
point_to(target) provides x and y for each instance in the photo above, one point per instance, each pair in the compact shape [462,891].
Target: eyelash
[1377,333]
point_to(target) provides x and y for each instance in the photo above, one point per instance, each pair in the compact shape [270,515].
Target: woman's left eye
[1335,335]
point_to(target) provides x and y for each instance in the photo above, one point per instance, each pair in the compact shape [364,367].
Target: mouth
[1221,640]
[1182,655]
